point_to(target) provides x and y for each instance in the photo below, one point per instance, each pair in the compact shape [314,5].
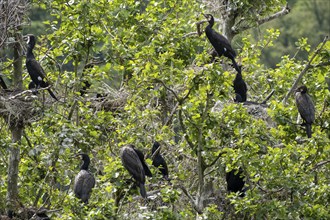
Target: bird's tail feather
[309,130]
[143,191]
[52,94]
[237,68]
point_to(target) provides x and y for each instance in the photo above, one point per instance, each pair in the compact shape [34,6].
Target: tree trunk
[228,21]
[16,129]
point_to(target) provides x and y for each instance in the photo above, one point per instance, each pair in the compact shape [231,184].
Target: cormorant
[3,84]
[240,88]
[306,108]
[235,181]
[220,43]
[84,181]
[133,160]
[159,162]
[36,72]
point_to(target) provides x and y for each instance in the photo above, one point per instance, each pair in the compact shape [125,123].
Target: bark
[16,129]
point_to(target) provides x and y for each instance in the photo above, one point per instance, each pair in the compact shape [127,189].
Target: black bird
[159,162]
[306,108]
[133,160]
[235,181]
[3,84]
[36,72]
[220,43]
[84,181]
[240,88]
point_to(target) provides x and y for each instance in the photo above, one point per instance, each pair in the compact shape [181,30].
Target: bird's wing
[37,67]
[78,184]
[160,162]
[221,41]
[145,166]
[88,182]
[132,163]
[305,107]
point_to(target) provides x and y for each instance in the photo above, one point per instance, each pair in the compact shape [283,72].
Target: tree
[154,72]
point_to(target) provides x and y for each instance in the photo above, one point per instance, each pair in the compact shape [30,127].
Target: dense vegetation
[153,73]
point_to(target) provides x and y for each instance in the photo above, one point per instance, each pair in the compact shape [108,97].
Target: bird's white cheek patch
[39,78]
[225,49]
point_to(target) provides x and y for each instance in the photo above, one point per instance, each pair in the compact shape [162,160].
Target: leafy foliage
[141,53]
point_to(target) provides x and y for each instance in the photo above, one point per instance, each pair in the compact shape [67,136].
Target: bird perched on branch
[220,43]
[240,88]
[36,72]
[306,108]
[158,161]
[133,160]
[235,181]
[84,181]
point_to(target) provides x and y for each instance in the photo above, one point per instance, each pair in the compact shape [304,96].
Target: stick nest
[19,108]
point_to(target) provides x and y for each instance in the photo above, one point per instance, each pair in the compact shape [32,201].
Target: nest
[113,100]
[19,108]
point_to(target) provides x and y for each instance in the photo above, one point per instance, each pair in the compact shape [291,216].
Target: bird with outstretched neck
[35,71]
[133,160]
[306,108]
[84,181]
[158,161]
[219,42]
[240,88]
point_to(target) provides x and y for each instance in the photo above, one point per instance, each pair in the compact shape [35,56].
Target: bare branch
[22,93]
[268,97]
[184,190]
[302,73]
[321,164]
[216,159]
[169,89]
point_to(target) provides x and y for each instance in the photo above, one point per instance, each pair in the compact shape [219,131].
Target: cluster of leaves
[172,93]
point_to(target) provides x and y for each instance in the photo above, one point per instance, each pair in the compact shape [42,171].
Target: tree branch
[268,97]
[169,89]
[216,159]
[321,164]
[302,73]
[285,10]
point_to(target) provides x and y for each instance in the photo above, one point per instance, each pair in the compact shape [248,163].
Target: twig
[155,153]
[302,73]
[169,89]
[169,118]
[321,164]
[24,92]
[268,97]
[190,34]
[184,190]
[216,159]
